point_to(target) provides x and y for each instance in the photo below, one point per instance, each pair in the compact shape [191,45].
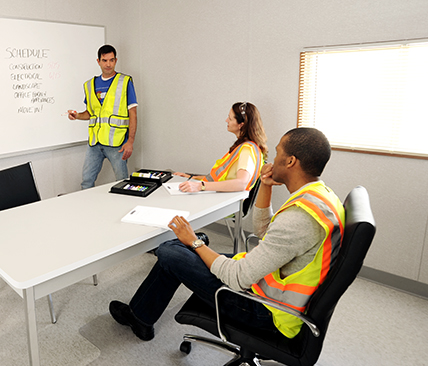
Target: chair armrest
[247,240]
[263,300]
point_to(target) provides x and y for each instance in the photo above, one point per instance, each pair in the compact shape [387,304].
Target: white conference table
[54,243]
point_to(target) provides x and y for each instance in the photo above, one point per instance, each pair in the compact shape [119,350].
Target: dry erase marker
[66,114]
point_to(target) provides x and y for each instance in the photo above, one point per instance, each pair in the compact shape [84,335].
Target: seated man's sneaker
[123,315]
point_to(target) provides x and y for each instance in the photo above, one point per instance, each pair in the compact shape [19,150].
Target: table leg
[30,317]
[237,230]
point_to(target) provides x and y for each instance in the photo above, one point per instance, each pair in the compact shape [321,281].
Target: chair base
[240,357]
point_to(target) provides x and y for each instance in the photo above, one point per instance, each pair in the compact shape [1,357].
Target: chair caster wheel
[185,347]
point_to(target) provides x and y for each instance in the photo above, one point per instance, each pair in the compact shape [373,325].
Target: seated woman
[239,169]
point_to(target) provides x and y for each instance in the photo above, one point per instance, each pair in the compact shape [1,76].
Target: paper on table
[172,188]
[153,216]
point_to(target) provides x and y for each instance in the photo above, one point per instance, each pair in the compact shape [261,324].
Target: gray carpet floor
[372,325]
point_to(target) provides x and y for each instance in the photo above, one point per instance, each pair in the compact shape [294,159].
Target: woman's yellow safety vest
[108,122]
[296,289]
[222,166]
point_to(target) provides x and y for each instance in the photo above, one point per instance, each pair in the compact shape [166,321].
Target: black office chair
[247,205]
[18,187]
[249,344]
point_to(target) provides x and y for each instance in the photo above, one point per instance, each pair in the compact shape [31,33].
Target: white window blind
[372,98]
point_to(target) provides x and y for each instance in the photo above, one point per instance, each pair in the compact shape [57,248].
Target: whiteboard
[43,66]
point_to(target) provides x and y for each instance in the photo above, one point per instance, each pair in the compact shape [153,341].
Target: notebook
[153,216]
[172,188]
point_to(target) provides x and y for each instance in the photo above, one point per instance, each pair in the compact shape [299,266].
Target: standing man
[111,108]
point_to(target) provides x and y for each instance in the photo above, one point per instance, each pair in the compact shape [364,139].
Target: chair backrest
[359,232]
[17,186]
[249,201]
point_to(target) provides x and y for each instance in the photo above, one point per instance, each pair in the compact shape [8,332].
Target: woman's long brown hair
[253,129]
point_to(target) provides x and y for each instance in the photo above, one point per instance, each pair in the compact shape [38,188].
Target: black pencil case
[150,175]
[134,188]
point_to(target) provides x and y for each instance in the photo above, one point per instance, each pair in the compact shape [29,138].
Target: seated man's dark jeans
[176,265]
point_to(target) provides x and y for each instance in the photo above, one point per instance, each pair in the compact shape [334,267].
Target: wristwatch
[197,243]
[202,186]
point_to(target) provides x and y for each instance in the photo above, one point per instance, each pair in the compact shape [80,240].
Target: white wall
[192,59]
[199,57]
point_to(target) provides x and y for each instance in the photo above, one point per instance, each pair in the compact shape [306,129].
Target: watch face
[197,243]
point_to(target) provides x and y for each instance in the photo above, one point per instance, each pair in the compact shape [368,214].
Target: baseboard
[396,282]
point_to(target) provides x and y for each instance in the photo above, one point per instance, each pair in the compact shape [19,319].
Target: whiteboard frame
[60,145]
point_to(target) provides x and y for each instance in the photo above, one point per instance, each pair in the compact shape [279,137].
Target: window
[371,98]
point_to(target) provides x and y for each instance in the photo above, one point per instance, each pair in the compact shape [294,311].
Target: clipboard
[153,216]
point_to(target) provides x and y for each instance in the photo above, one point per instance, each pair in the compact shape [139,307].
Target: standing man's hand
[72,115]
[127,149]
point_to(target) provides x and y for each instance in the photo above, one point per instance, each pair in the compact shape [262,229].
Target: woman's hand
[190,186]
[181,227]
[184,175]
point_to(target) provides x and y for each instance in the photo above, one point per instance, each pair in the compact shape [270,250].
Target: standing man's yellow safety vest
[296,289]
[108,122]
[222,166]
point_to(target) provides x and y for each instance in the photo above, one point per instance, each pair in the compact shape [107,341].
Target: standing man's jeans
[94,159]
[178,264]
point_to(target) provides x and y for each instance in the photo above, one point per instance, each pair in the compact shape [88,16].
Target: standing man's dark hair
[311,147]
[103,50]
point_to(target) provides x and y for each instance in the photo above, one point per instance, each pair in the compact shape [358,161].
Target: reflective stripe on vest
[109,122]
[296,289]
[222,166]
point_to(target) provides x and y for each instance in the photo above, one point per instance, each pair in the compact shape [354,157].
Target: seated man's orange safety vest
[296,289]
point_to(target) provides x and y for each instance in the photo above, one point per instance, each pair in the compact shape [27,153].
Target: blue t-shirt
[102,86]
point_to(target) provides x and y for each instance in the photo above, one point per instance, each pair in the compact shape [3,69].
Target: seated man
[297,250]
